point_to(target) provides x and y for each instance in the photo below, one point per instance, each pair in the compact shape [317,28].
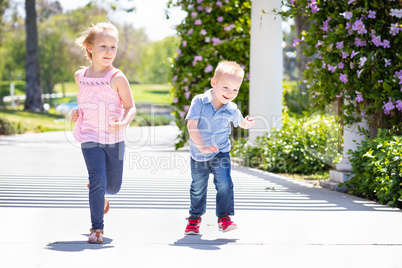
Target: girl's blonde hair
[229,67]
[88,36]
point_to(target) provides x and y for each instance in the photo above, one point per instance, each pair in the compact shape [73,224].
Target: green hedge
[305,144]
[376,168]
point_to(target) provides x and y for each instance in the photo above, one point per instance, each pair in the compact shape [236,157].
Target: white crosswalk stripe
[251,193]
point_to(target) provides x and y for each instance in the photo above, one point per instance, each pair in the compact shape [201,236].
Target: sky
[149,14]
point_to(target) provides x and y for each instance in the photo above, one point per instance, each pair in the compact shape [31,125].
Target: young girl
[105,108]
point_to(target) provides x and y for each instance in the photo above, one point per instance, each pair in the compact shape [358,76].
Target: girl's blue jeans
[220,167]
[105,172]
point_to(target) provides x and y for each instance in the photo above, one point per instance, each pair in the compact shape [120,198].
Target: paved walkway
[282,223]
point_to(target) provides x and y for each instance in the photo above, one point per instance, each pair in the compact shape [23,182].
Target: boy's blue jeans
[220,167]
[105,172]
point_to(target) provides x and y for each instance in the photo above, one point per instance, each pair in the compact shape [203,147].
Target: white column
[266,66]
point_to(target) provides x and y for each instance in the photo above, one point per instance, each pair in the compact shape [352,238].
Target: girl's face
[104,48]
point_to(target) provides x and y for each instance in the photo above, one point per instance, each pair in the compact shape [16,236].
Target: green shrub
[9,128]
[304,144]
[144,120]
[376,168]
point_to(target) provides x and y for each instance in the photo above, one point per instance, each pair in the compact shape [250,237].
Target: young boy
[208,123]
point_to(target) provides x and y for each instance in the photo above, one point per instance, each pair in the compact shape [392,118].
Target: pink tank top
[98,104]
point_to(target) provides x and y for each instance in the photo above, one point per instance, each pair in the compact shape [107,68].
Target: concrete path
[282,222]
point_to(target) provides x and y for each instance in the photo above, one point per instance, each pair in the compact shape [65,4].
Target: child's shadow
[75,246]
[196,242]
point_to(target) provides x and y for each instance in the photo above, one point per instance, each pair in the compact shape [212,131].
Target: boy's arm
[196,137]
[247,122]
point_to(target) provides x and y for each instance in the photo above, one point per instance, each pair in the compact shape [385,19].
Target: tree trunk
[301,24]
[33,89]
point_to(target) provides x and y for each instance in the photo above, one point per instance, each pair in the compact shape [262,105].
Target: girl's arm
[120,83]
[196,137]
[75,113]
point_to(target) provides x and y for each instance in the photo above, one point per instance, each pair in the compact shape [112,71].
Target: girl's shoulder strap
[111,73]
[83,71]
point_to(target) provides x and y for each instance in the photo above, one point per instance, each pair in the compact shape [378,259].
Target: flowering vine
[212,31]
[355,45]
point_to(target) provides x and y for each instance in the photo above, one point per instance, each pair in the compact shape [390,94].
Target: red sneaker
[193,226]
[226,224]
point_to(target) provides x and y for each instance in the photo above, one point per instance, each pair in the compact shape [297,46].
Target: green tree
[358,60]
[157,59]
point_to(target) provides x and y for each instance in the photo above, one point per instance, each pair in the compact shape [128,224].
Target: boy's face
[225,87]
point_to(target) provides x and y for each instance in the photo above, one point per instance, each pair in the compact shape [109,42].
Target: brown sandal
[107,206]
[97,238]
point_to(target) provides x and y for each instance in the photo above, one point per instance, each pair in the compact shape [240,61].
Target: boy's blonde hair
[229,67]
[88,36]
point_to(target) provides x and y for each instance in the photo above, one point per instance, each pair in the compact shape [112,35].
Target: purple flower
[363,113]
[350,2]
[360,43]
[200,1]
[187,94]
[331,68]
[219,19]
[319,43]
[399,105]
[175,78]
[248,76]
[186,108]
[385,43]
[203,32]
[323,64]
[190,32]
[359,98]
[341,65]
[387,62]
[184,44]
[229,27]
[200,8]
[219,3]
[399,75]
[198,22]
[359,72]
[359,27]
[296,42]
[185,79]
[182,114]
[371,14]
[175,100]
[208,9]
[339,45]
[345,55]
[362,61]
[208,69]
[354,54]
[376,40]
[197,58]
[215,40]
[292,1]
[325,26]
[194,14]
[348,15]
[388,107]
[394,29]
[396,13]
[343,78]
[207,39]
[348,25]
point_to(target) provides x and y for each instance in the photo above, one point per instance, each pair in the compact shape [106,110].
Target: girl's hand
[115,126]
[210,149]
[74,115]
[247,122]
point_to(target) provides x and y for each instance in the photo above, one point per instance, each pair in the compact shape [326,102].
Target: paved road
[282,222]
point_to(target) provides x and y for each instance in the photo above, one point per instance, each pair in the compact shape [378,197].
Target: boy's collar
[207,98]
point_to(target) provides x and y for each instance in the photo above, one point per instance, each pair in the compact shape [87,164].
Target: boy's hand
[74,115]
[247,122]
[210,149]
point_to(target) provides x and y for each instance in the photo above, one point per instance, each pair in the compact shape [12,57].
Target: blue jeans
[220,167]
[105,172]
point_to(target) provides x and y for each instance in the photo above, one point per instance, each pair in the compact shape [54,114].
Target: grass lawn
[142,93]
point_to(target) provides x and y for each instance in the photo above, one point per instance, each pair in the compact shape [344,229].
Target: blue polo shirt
[213,125]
